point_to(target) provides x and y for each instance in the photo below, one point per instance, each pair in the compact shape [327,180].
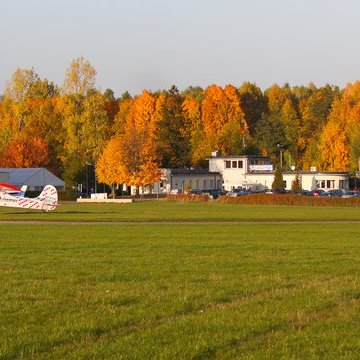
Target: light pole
[95,178]
[87,180]
[281,162]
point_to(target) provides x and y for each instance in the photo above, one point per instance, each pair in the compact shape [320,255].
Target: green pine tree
[278,183]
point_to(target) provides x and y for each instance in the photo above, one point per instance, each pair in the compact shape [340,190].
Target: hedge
[289,199]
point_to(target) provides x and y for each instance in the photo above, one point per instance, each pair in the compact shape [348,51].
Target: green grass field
[171,211]
[180,291]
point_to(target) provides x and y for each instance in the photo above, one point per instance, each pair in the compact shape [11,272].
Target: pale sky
[152,44]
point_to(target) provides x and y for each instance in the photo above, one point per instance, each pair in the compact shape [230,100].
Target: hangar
[35,178]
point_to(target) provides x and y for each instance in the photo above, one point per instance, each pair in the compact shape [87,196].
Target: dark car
[238,192]
[215,193]
[335,193]
[276,191]
[196,192]
[320,192]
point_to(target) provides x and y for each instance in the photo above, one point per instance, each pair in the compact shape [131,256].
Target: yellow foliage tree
[220,110]
[334,143]
[136,161]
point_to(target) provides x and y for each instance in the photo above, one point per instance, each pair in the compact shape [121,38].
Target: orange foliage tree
[223,120]
[26,153]
[335,152]
[131,157]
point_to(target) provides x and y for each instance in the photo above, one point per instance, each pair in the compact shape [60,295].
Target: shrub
[188,198]
[289,199]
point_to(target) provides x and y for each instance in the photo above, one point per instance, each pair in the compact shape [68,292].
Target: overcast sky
[152,44]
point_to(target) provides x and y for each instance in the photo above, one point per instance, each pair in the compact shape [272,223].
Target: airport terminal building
[257,173]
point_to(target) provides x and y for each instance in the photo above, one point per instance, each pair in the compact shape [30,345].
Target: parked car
[303,193]
[320,192]
[175,192]
[335,193]
[238,192]
[350,194]
[196,192]
[215,193]
[276,191]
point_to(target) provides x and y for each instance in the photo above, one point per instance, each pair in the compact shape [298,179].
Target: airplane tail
[23,190]
[49,196]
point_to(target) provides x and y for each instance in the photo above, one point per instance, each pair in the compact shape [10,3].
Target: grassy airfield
[177,290]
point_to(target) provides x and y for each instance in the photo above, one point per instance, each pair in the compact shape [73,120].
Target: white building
[184,180]
[257,173]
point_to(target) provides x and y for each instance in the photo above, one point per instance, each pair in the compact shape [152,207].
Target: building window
[241,164]
[227,164]
[322,186]
[197,183]
[211,184]
[205,184]
[341,184]
[234,164]
[284,184]
[330,184]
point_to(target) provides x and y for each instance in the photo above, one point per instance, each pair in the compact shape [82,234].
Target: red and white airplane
[47,200]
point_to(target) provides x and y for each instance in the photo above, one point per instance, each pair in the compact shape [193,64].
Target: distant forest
[66,128]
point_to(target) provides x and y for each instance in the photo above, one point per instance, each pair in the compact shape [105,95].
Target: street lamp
[87,178]
[281,162]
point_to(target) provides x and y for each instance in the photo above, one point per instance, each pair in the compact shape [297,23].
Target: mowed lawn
[171,211]
[181,291]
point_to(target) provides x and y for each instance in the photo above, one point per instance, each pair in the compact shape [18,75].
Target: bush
[289,199]
[188,198]
[68,195]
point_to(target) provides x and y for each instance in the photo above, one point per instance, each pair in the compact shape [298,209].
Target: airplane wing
[8,188]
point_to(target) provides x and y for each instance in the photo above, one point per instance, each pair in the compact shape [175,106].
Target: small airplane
[47,200]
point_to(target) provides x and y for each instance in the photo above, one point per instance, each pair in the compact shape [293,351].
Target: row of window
[234,164]
[239,164]
[330,184]
[196,184]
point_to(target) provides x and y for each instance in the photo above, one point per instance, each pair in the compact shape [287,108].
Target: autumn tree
[253,103]
[173,141]
[136,145]
[193,129]
[111,168]
[85,119]
[334,147]
[314,112]
[79,77]
[26,153]
[28,112]
[221,110]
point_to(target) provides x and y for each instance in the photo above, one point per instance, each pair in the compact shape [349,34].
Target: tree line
[128,139]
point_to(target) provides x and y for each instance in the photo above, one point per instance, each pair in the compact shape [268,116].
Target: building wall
[309,181]
[183,181]
[235,168]
[4,177]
